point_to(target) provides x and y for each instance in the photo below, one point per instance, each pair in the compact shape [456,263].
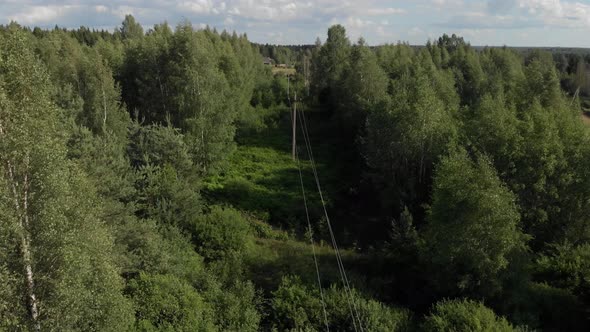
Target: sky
[564,23]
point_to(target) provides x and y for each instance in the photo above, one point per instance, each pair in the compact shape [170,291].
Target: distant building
[268,61]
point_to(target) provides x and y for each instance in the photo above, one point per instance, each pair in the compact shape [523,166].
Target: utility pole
[294,124]
[306,72]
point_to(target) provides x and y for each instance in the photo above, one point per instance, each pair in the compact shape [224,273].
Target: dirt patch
[586,118]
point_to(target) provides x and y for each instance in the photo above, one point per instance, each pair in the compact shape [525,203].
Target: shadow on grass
[276,136]
[389,278]
[276,197]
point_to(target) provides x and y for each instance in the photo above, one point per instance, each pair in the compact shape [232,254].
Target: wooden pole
[294,125]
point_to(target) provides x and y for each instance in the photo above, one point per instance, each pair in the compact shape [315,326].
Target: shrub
[299,308]
[166,303]
[464,315]
[220,232]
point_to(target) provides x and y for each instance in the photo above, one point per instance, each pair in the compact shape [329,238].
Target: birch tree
[59,249]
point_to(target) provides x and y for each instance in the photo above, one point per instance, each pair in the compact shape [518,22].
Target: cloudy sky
[492,22]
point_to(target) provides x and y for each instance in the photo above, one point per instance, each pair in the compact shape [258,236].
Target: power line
[315,260]
[352,304]
[354,313]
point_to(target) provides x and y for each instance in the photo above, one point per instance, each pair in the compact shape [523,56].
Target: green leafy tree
[396,60]
[332,60]
[567,267]
[130,29]
[59,245]
[493,128]
[541,82]
[473,225]
[166,303]
[406,137]
[364,86]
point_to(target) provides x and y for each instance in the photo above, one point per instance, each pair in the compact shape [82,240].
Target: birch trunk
[25,238]
[104,104]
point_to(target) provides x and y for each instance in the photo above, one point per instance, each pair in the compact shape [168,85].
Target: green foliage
[53,216]
[130,29]
[330,64]
[464,315]
[299,308]
[396,60]
[159,146]
[142,246]
[296,308]
[465,155]
[364,85]
[406,137]
[235,307]
[220,232]
[166,303]
[567,267]
[163,195]
[195,81]
[540,306]
[494,129]
[85,87]
[262,178]
[473,224]
[374,316]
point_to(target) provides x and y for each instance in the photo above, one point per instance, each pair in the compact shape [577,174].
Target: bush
[464,315]
[546,308]
[295,307]
[567,266]
[166,303]
[374,315]
[299,308]
[235,307]
[220,232]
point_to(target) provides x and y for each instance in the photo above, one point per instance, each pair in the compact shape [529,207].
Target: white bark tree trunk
[25,238]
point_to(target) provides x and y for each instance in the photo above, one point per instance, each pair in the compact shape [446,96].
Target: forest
[148,184]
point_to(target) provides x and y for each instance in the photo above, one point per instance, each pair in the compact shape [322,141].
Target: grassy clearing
[269,260]
[262,179]
[278,258]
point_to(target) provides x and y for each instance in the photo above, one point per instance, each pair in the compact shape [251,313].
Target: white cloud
[385,11]
[447,3]
[197,6]
[300,21]
[558,13]
[101,9]
[416,31]
[229,21]
[121,11]
[40,14]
